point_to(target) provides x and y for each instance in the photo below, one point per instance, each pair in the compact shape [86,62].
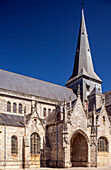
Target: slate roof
[83,64]
[52,116]
[11,120]
[31,86]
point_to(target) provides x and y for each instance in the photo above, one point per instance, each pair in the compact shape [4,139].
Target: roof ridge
[35,79]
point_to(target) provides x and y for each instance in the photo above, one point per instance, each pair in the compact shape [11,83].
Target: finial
[82,4]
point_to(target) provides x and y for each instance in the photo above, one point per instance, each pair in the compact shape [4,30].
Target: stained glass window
[35,144]
[14,145]
[102,144]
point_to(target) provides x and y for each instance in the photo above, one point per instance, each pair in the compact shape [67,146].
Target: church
[47,125]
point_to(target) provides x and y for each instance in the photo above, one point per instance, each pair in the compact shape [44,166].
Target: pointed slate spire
[83,64]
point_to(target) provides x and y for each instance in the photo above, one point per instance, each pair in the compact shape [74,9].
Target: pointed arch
[34,144]
[14,145]
[79,148]
[81,132]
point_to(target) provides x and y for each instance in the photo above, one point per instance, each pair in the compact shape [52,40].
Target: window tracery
[35,144]
[102,144]
[14,145]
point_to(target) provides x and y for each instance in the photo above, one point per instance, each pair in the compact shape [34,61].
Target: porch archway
[79,150]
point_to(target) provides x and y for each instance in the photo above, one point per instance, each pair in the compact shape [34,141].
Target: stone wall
[104,158]
[54,145]
[12,160]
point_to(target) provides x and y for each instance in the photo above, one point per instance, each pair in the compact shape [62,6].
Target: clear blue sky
[38,37]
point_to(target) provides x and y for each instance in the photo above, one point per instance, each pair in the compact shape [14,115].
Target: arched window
[20,108]
[14,108]
[49,111]
[14,145]
[102,144]
[44,112]
[8,107]
[35,144]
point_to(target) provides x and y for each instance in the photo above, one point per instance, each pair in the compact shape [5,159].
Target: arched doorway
[79,150]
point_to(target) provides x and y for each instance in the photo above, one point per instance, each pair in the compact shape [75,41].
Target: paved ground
[75,168]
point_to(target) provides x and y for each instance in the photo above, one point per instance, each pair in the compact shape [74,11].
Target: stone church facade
[47,125]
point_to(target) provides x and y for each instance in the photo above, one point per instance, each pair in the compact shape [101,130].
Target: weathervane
[82,3]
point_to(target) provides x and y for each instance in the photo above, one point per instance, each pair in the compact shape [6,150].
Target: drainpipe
[56,140]
[23,147]
[56,145]
[4,146]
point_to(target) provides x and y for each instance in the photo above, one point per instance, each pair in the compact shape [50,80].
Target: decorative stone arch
[79,148]
[81,132]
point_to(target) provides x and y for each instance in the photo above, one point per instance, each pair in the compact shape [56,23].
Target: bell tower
[83,71]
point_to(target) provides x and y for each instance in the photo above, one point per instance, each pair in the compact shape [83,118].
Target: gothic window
[44,112]
[35,144]
[8,107]
[49,111]
[14,145]
[14,107]
[102,144]
[20,108]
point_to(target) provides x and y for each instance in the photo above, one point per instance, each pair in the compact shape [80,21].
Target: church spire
[83,71]
[83,64]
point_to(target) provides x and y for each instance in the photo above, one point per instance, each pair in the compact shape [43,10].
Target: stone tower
[83,71]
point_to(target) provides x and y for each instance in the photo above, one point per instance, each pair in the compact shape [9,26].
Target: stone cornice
[26,96]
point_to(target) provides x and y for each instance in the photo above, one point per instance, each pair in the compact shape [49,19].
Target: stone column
[93,158]
[67,163]
[26,152]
